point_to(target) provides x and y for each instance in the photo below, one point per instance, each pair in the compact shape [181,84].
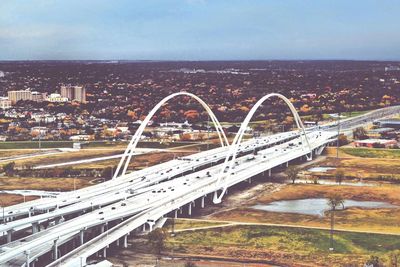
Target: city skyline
[199,30]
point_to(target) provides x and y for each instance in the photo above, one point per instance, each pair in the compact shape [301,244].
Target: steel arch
[234,147]
[135,139]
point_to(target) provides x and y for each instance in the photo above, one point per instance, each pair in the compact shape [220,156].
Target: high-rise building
[80,94]
[37,96]
[67,91]
[74,93]
[17,95]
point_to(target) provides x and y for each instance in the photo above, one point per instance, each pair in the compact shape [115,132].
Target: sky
[199,29]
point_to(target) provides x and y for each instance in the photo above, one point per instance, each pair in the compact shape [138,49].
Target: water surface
[320,169]
[317,206]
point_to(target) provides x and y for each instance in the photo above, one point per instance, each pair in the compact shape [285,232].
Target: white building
[17,95]
[80,137]
[56,98]
[185,124]
[5,103]
[46,118]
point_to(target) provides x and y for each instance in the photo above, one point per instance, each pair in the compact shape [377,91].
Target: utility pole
[338,133]
[331,231]
[40,133]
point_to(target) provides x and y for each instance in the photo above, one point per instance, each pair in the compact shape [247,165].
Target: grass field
[372,152]
[364,163]
[284,245]
[137,161]
[35,144]
[9,153]
[346,115]
[48,184]
[64,157]
[378,220]
[180,224]
[90,144]
[12,199]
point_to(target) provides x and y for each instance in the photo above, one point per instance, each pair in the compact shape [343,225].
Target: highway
[117,189]
[69,228]
[157,193]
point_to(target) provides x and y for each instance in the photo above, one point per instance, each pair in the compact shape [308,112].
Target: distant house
[373,142]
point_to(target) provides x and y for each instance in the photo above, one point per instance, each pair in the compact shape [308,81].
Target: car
[250,157]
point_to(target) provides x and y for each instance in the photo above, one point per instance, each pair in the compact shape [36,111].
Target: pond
[320,169]
[331,182]
[317,206]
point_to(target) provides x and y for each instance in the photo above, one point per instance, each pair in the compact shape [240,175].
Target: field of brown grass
[373,164]
[48,184]
[65,157]
[376,220]
[12,199]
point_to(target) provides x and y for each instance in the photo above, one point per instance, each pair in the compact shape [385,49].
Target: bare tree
[292,173]
[156,240]
[190,264]
[334,201]
[360,133]
[339,176]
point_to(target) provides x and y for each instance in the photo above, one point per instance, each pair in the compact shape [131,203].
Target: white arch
[234,147]
[135,139]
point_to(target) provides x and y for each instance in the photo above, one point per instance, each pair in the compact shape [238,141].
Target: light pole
[208,132]
[4,218]
[40,133]
[338,133]
[173,235]
[334,203]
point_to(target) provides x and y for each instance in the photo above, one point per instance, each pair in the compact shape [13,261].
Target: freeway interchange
[69,228]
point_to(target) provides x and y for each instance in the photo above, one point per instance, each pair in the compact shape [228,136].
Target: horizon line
[193,60]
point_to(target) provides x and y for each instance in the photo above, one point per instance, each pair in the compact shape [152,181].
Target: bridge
[67,229]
